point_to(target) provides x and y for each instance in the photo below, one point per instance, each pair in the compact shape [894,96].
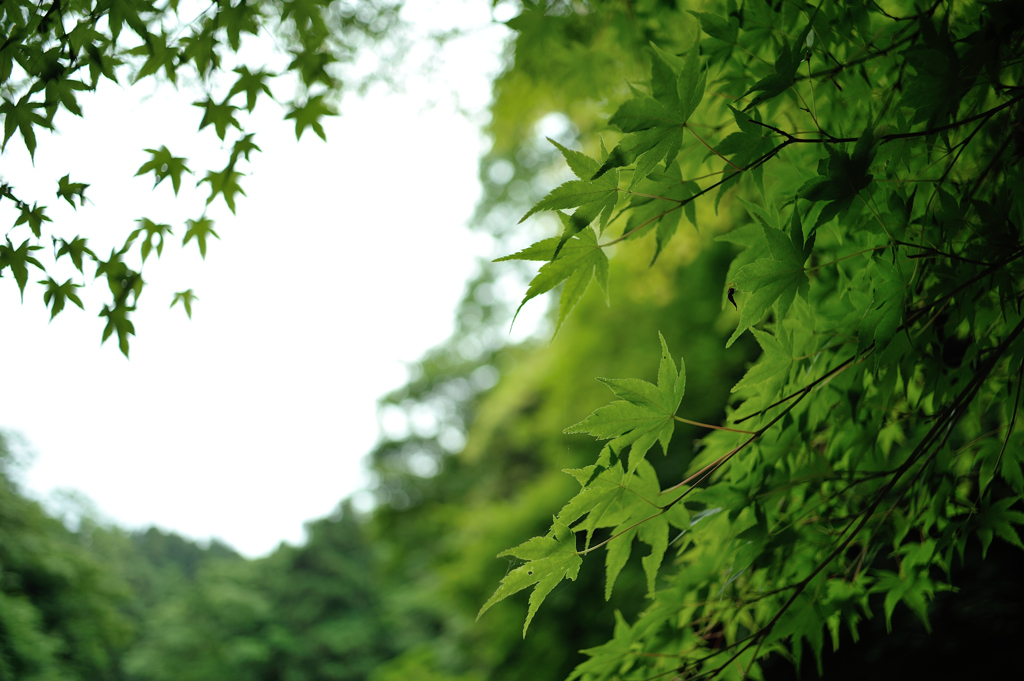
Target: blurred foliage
[312,612]
[101,603]
[61,611]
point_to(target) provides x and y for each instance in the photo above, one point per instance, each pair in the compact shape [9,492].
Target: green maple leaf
[581,165]
[309,114]
[221,116]
[885,313]
[784,75]
[236,19]
[635,513]
[153,231]
[579,261]
[68,190]
[842,177]
[750,236]
[645,414]
[750,143]
[252,84]
[185,298]
[627,503]
[128,12]
[163,164]
[23,118]
[572,194]
[200,50]
[62,92]
[18,259]
[592,199]
[550,559]
[56,295]
[608,658]
[666,149]
[663,141]
[726,30]
[938,85]
[664,213]
[912,586]
[117,321]
[593,264]
[312,67]
[654,125]
[101,63]
[602,486]
[1011,467]
[998,519]
[225,183]
[121,279]
[111,268]
[34,217]
[775,279]
[199,230]
[772,370]
[805,619]
[160,56]
[243,147]
[76,249]
[644,113]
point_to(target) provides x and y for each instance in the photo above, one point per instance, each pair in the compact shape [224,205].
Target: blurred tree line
[393,594]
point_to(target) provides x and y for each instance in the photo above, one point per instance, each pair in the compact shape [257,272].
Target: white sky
[344,263]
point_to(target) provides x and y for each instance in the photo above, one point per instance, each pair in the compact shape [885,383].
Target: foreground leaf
[644,415]
[550,559]
[581,259]
[772,280]
[199,230]
[186,299]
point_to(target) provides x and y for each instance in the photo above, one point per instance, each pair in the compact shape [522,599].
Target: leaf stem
[1013,419]
[760,641]
[799,394]
[644,224]
[708,425]
[651,196]
[710,148]
[619,534]
[814,107]
[934,252]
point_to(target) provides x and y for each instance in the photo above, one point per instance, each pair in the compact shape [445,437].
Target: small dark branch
[963,145]
[917,314]
[785,134]
[915,17]
[878,8]
[702,192]
[708,470]
[934,252]
[802,391]
[791,139]
[991,164]
[950,126]
[829,73]
[1013,419]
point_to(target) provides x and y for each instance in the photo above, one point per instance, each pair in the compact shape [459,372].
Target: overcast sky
[344,263]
